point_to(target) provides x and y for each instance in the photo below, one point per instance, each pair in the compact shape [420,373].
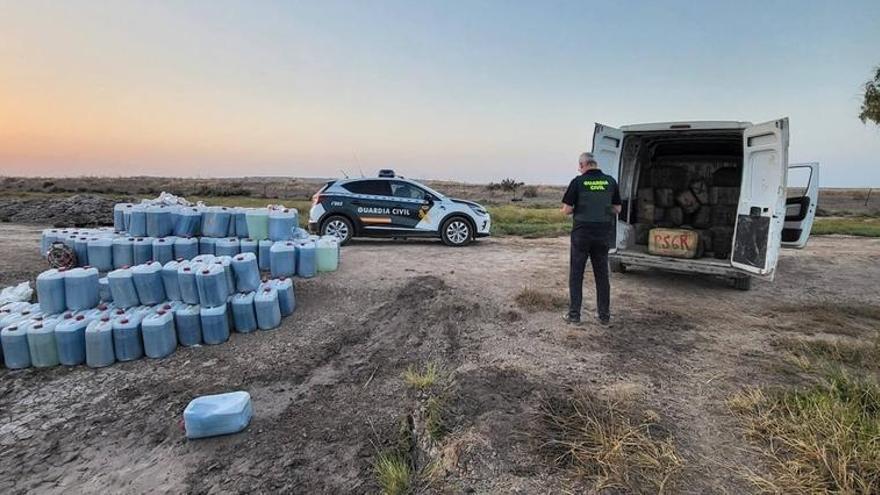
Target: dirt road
[327,386]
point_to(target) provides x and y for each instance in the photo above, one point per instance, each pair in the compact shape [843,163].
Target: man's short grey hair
[586,158]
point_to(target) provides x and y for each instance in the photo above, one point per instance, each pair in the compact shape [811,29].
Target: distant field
[548,222]
[832,202]
[528,222]
[860,226]
[534,214]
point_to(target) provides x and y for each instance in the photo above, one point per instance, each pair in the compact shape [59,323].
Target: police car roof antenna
[343,173]
[358,160]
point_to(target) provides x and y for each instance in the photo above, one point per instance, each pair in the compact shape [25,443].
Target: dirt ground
[327,386]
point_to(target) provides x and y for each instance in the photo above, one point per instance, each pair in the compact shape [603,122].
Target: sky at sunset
[465,90]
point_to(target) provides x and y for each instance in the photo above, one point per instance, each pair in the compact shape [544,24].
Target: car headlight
[479,210]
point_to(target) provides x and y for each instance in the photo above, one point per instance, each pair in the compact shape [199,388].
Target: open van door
[761,211]
[800,208]
[607,144]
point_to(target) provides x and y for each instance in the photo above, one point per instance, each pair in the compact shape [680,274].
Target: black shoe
[573,320]
[605,322]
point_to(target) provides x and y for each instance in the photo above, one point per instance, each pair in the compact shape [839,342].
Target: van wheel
[617,267]
[742,283]
[456,232]
[338,226]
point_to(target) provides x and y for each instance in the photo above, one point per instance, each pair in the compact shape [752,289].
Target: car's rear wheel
[457,232]
[338,226]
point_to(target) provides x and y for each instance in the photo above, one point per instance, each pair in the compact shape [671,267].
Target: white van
[743,164]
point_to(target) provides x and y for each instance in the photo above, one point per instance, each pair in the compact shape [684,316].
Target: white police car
[390,206]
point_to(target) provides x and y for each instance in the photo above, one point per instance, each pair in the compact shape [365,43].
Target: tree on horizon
[871,104]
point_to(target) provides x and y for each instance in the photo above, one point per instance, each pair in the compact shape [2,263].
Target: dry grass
[428,379]
[539,300]
[821,439]
[435,423]
[827,317]
[604,443]
[798,360]
[393,473]
[816,354]
[422,379]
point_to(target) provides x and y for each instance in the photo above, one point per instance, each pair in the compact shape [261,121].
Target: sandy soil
[327,386]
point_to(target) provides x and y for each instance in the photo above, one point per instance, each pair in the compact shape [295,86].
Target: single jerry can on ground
[99,343]
[41,343]
[215,324]
[307,263]
[286,296]
[221,414]
[70,337]
[187,322]
[267,308]
[676,243]
[16,353]
[243,312]
[127,340]
[327,254]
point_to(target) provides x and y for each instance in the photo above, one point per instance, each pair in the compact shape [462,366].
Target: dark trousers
[593,245]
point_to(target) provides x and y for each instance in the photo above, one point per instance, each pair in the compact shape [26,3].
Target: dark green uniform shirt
[592,195]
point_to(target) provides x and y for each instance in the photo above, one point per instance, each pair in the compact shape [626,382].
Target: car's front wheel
[456,232]
[338,226]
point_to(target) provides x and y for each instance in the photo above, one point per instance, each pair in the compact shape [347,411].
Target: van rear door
[800,205]
[607,143]
[761,211]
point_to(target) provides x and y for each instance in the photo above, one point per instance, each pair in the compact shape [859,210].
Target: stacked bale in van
[673,198]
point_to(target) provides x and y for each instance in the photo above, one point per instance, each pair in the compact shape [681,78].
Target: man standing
[594,200]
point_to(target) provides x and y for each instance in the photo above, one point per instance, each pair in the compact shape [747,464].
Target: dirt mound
[343,397]
[80,210]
